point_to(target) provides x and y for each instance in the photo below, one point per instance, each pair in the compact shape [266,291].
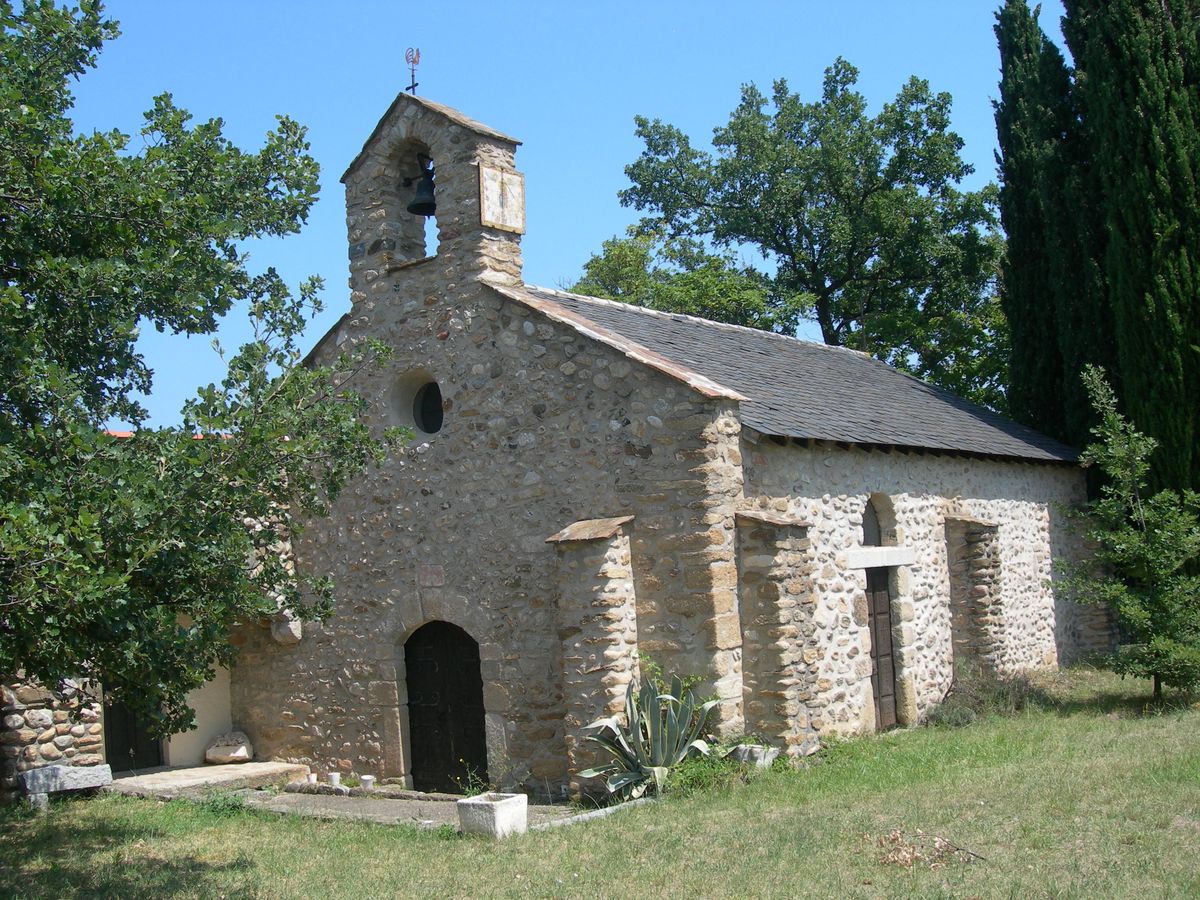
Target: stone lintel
[971,520]
[880,557]
[766,517]
[590,530]
[393,267]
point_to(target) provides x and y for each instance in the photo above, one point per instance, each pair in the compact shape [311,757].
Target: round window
[427,408]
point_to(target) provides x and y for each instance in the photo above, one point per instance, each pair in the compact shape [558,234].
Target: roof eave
[882,447]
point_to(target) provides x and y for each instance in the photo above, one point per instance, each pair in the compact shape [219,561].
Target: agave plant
[662,730]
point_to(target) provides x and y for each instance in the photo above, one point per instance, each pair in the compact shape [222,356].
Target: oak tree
[128,561]
[860,221]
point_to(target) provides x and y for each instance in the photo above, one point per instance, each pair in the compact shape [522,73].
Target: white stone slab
[199,780]
[52,779]
[880,557]
[495,815]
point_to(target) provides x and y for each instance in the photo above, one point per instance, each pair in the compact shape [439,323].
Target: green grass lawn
[1087,795]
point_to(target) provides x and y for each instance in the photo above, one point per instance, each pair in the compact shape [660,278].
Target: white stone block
[232,747]
[493,814]
[287,630]
[755,755]
[52,779]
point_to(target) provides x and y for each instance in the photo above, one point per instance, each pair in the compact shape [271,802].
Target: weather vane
[412,56]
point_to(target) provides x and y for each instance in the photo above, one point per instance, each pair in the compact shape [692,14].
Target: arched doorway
[445,708]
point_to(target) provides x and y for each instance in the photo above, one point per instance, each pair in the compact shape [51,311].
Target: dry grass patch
[1084,794]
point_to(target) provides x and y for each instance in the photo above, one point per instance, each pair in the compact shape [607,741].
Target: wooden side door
[445,708]
[128,743]
[883,668]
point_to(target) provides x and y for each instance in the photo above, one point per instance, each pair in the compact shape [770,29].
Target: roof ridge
[646,310]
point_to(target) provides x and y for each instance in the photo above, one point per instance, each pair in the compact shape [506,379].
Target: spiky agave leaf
[663,729]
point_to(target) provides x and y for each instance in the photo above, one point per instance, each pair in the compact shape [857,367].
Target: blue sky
[566,78]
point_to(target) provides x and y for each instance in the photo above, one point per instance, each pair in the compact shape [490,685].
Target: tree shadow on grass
[1086,689]
[1081,690]
[63,855]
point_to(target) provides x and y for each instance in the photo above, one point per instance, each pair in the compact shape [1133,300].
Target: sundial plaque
[502,199]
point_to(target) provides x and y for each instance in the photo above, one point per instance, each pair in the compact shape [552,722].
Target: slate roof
[802,389]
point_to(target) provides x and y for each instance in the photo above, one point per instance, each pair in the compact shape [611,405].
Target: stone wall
[976,611]
[37,729]
[828,487]
[542,427]
[598,628]
[779,634]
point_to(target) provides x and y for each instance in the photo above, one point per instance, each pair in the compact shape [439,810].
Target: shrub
[705,773]
[976,693]
[1146,565]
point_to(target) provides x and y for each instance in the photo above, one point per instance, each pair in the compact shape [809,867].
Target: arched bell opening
[447,736]
[418,196]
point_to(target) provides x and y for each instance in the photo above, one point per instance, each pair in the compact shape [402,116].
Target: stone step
[166,783]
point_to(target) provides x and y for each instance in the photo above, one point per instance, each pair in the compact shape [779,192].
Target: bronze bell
[423,203]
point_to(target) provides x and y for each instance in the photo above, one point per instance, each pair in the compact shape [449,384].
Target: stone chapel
[817,536]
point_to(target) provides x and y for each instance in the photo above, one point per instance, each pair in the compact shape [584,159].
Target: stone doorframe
[897,561]
[391,698]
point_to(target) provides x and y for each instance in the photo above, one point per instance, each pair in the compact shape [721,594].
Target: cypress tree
[1137,87]
[1025,126]
[1053,287]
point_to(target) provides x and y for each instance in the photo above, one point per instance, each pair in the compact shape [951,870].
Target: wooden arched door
[445,708]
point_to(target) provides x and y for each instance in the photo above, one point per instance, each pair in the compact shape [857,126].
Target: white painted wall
[211,702]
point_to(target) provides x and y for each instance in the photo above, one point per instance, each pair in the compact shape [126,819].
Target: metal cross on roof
[412,56]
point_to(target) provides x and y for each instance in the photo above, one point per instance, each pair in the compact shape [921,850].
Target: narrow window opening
[872,533]
[415,209]
[427,408]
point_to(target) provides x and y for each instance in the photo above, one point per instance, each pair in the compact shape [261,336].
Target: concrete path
[422,813]
[165,783]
